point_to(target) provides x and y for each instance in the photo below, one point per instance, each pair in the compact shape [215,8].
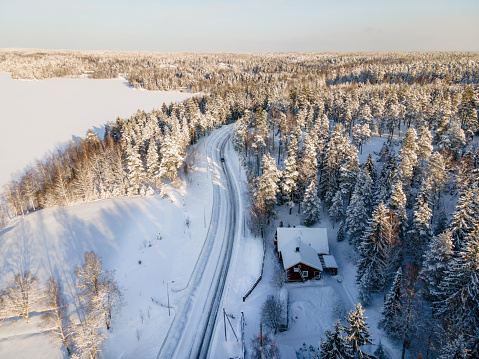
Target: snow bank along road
[197,309]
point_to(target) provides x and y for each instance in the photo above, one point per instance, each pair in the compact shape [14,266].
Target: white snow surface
[38,116]
[125,231]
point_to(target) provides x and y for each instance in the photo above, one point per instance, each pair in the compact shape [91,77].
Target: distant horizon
[260,26]
[235,52]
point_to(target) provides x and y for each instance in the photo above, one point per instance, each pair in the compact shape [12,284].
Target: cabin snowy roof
[306,255]
[329,261]
[317,238]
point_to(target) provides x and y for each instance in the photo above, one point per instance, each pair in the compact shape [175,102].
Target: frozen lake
[38,116]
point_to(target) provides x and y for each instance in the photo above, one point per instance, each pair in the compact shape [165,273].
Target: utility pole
[224,322]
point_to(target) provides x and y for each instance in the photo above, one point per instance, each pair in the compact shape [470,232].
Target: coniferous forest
[301,122]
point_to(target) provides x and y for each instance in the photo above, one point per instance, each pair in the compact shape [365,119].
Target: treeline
[206,72]
[135,155]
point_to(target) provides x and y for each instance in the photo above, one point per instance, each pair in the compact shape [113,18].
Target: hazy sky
[252,26]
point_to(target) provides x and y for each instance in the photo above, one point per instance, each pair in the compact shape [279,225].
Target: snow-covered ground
[124,231]
[37,116]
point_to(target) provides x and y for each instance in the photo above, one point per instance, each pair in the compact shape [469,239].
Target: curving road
[192,328]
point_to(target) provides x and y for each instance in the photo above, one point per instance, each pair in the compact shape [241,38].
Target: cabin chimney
[297,249]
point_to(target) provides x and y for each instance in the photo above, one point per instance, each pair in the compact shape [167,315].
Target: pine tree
[358,331]
[392,311]
[336,345]
[311,204]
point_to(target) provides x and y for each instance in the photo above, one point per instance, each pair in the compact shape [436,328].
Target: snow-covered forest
[410,210]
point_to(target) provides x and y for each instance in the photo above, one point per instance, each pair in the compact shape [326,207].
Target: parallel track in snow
[192,328]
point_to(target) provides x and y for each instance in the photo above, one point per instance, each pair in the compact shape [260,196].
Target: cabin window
[296,270]
[305,273]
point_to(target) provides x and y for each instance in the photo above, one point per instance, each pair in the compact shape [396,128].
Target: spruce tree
[358,330]
[336,346]
[459,288]
[336,209]
[311,204]
[437,260]
[377,249]
[356,219]
[392,311]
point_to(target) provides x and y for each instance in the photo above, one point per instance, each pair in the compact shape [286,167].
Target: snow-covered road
[198,305]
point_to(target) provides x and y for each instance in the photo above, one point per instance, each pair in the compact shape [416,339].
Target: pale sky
[241,26]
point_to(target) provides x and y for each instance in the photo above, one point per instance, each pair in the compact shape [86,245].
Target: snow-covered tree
[459,289]
[378,250]
[336,346]
[409,156]
[356,219]
[357,330]
[88,335]
[172,156]
[272,313]
[135,169]
[98,290]
[289,179]
[464,216]
[22,294]
[468,111]
[336,209]
[267,183]
[437,260]
[56,319]
[311,204]
[392,311]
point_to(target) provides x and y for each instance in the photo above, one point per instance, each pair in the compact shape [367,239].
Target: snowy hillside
[124,231]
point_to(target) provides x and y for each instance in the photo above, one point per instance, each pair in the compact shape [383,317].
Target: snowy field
[124,231]
[37,116]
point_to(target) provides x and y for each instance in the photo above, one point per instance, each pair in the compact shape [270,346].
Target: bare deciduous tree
[88,335]
[56,317]
[263,347]
[22,294]
[98,290]
[272,313]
